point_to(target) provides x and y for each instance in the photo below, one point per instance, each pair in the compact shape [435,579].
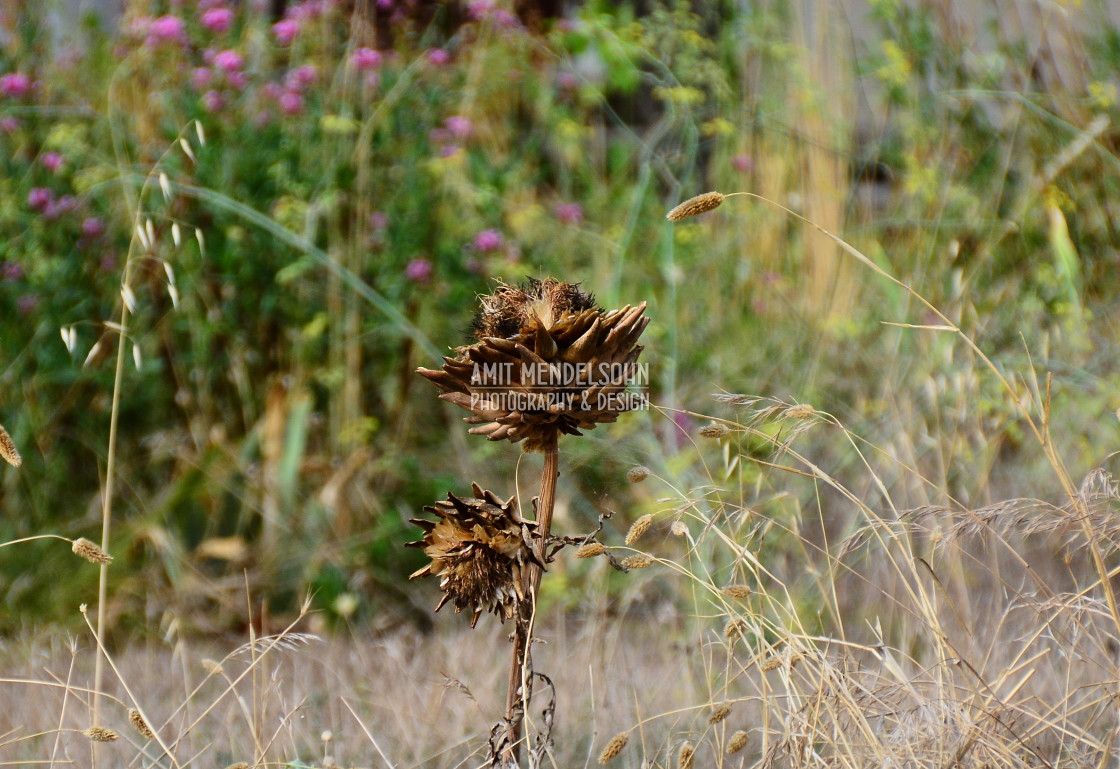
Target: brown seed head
[719,712]
[590,550]
[737,742]
[100,734]
[734,628]
[138,723]
[638,561]
[212,667]
[771,663]
[91,552]
[637,474]
[8,449]
[714,430]
[800,411]
[614,747]
[678,529]
[685,756]
[737,591]
[639,528]
[695,206]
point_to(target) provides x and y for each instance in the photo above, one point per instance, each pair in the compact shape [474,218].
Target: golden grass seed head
[101,734]
[736,627]
[678,529]
[685,756]
[614,747]
[90,551]
[720,711]
[800,411]
[737,591]
[695,206]
[639,528]
[212,667]
[714,430]
[590,550]
[637,561]
[8,449]
[637,474]
[137,720]
[771,663]
[737,742]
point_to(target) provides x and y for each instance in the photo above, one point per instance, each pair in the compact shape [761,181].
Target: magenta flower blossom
[742,163]
[379,220]
[201,77]
[285,31]
[569,213]
[488,240]
[60,207]
[238,80]
[478,9]
[301,77]
[505,19]
[9,124]
[217,20]
[419,270]
[40,198]
[52,161]
[291,103]
[229,61]
[93,227]
[167,29]
[438,57]
[459,127]
[15,84]
[448,150]
[366,58]
[213,101]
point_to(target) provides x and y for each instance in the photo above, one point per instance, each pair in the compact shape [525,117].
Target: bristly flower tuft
[696,206]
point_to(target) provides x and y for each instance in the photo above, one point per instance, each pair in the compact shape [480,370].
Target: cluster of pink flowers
[52,161]
[286,30]
[569,213]
[217,19]
[454,132]
[419,270]
[43,200]
[488,241]
[16,85]
[164,30]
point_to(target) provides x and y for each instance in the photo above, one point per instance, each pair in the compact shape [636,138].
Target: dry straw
[614,747]
[737,742]
[695,206]
[590,550]
[714,430]
[100,734]
[637,474]
[8,449]
[639,561]
[639,528]
[137,720]
[90,551]
[685,756]
[719,712]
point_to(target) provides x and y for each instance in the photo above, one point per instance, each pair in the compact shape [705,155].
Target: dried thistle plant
[614,747]
[8,449]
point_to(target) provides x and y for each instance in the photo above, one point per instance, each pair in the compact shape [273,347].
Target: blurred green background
[305,199]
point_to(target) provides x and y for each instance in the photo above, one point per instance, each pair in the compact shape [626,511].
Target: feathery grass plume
[771,663]
[477,549]
[637,474]
[639,528]
[547,362]
[678,529]
[685,756]
[138,723]
[737,591]
[737,742]
[714,430]
[719,712]
[101,734]
[800,411]
[614,747]
[8,449]
[590,550]
[90,551]
[695,206]
[638,561]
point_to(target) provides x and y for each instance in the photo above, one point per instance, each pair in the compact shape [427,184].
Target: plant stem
[520,671]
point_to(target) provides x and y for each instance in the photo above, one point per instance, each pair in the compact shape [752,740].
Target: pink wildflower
[15,84]
[285,31]
[229,61]
[488,240]
[366,58]
[217,20]
[419,270]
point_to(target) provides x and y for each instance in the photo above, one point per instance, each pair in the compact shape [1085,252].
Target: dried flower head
[695,206]
[637,474]
[8,449]
[714,430]
[737,742]
[639,528]
[771,663]
[590,550]
[90,551]
[137,720]
[638,561]
[547,362]
[737,591]
[477,549]
[800,411]
[101,734]
[719,712]
[685,756]
[614,747]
